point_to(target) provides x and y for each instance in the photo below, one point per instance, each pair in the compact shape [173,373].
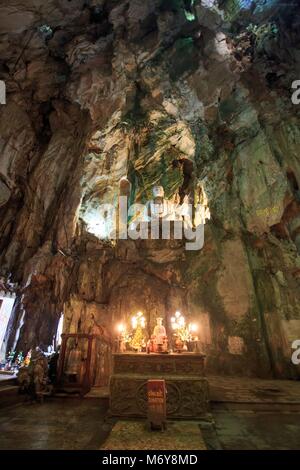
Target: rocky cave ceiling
[98,90]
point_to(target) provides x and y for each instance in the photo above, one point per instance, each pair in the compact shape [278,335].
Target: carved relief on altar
[144,367]
[190,367]
[186,398]
[185,364]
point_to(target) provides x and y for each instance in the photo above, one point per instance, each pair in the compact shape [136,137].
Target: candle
[120,328]
[193,327]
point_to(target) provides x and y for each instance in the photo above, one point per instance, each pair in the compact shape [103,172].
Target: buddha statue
[159,207]
[160,341]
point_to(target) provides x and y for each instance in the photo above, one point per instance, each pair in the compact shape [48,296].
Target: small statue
[23,379]
[159,331]
[33,378]
[20,359]
[10,360]
[73,365]
[38,370]
[27,358]
[160,341]
[159,207]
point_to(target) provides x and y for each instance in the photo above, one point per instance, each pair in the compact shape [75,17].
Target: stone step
[67,392]
[251,406]
[98,392]
[11,381]
[136,435]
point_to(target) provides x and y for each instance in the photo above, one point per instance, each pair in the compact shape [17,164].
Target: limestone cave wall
[194,96]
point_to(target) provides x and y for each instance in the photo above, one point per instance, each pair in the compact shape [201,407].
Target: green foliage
[204,146]
[189,13]
[11,355]
[264,31]
[134,119]
[159,172]
[231,8]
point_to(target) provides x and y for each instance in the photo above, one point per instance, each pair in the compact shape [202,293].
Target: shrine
[186,385]
[183,371]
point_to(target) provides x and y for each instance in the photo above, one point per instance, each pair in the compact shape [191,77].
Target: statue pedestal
[187,387]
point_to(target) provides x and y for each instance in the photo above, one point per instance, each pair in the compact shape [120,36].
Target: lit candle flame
[193,327]
[139,319]
[120,328]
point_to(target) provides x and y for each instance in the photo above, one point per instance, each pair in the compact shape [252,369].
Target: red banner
[156,394]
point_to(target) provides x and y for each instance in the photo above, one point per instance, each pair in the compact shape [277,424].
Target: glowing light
[100,220]
[121,328]
[193,327]
[138,320]
[59,330]
[178,321]
[185,332]
[189,14]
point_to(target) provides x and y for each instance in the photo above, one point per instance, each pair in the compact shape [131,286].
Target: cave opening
[6,307]
[59,332]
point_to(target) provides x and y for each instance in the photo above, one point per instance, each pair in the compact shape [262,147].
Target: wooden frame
[85,386]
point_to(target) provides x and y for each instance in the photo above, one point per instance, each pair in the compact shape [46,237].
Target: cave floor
[255,430]
[245,414]
[58,423]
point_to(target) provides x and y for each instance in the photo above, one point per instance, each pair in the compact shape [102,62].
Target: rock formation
[192,95]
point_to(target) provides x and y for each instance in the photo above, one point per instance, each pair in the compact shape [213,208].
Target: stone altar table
[187,387]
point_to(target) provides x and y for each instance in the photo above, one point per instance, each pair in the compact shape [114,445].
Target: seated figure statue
[162,208]
[160,341]
[159,207]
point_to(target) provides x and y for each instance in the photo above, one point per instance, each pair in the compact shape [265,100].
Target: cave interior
[107,99]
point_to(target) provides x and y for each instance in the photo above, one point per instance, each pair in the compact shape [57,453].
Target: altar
[186,384]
